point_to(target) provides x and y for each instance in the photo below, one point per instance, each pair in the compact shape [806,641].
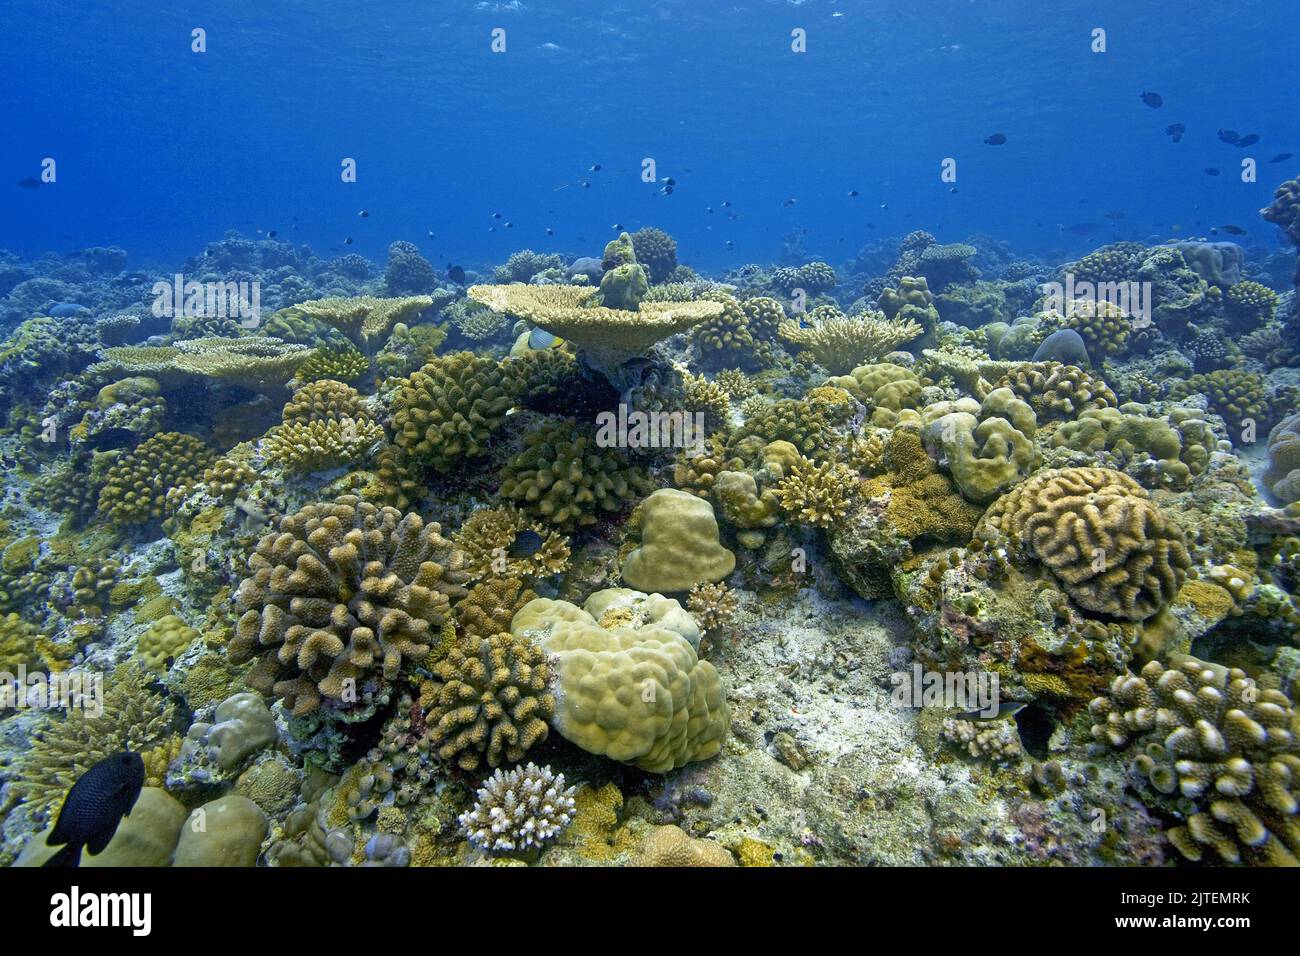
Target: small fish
[708,209]
[1230,136]
[29,183]
[272,234]
[347,241]
[430,233]
[730,244]
[492,228]
[585,184]
[1233,230]
[884,205]
[997,139]
[790,202]
[953,189]
[550,231]
[594,168]
[1153,100]
[539,339]
[527,543]
[667,190]
[510,225]
[668,181]
[853,193]
[1175,131]
[726,203]
[94,807]
[1008,708]
[618,226]
[496,215]
[364,214]
[456,274]
[1248,140]
[1211,171]
[1280,158]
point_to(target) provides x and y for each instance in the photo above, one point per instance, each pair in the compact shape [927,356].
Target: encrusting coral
[340,597]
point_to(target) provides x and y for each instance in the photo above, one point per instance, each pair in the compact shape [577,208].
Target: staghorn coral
[1098,533]
[488,700]
[628,682]
[447,411]
[564,479]
[817,495]
[340,596]
[1218,740]
[133,718]
[840,343]
[135,490]
[713,606]
[519,810]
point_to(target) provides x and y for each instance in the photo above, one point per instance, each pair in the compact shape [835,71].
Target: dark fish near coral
[853,193]
[94,807]
[526,544]
[1248,140]
[29,183]
[1175,131]
[1211,171]
[1008,708]
[1280,158]
[1230,136]
[1232,230]
[997,139]
[456,274]
[1153,100]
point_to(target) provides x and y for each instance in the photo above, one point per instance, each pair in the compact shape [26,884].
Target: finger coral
[135,491]
[341,595]
[1220,741]
[447,411]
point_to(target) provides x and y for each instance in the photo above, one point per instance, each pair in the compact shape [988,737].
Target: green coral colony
[368,583]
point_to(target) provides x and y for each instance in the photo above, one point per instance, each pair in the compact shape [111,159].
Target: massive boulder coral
[986,447]
[447,411]
[488,700]
[1217,739]
[1098,533]
[886,389]
[1058,391]
[656,250]
[679,544]
[628,683]
[1284,210]
[1159,451]
[1283,475]
[341,596]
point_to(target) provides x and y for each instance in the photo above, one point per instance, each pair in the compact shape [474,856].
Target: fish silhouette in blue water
[526,544]
[997,139]
[1153,100]
[1280,158]
[94,807]
[1175,131]
[1248,140]
[1211,170]
[456,274]
[1230,230]
[66,310]
[1081,229]
[1230,136]
[29,183]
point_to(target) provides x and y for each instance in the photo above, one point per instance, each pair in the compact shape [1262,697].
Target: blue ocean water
[160,149]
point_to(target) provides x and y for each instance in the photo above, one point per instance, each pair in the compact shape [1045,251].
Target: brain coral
[629,684]
[1099,533]
[1283,474]
[340,596]
[1058,391]
[448,410]
[488,699]
[987,447]
[1223,743]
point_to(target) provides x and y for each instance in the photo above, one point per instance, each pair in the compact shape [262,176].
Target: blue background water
[160,150]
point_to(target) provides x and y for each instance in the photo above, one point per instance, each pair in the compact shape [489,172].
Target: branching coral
[340,597]
[840,343]
[656,250]
[491,542]
[817,495]
[447,411]
[1219,740]
[136,488]
[519,810]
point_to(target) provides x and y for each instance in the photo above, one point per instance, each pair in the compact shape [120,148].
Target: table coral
[366,320]
[341,595]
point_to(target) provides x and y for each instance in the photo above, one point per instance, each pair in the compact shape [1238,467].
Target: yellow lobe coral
[679,544]
[629,685]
